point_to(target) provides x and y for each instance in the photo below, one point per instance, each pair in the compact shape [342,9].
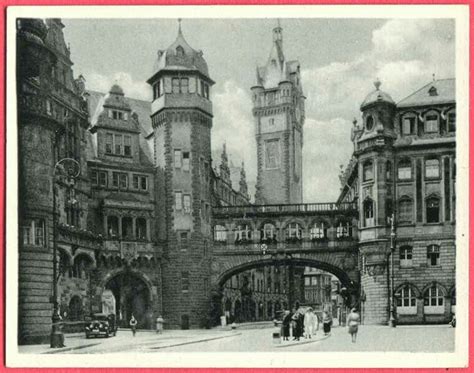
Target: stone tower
[375,153]
[182,120]
[278,109]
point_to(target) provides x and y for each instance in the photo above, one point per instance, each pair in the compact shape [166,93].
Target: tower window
[368,171]
[157,90]
[184,281]
[369,123]
[184,85]
[179,51]
[33,232]
[369,212]
[272,154]
[175,83]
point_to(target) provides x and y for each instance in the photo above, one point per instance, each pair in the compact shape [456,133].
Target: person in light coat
[308,323]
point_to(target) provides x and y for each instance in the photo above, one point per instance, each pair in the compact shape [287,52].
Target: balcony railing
[251,210]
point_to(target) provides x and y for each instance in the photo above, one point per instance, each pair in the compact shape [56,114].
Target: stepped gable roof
[376,96]
[181,56]
[441,91]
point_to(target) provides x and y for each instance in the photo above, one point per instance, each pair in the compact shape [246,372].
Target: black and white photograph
[287,184]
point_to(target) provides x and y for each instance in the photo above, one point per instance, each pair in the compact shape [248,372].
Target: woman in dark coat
[327,321]
[286,325]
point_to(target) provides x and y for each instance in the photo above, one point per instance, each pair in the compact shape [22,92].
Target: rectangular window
[405,211]
[102,178]
[408,126]
[140,182]
[115,179]
[272,154]
[404,172]
[127,146]
[406,257]
[109,140]
[187,203]
[185,281]
[184,85]
[175,83]
[432,168]
[185,161]
[433,255]
[431,124]
[33,232]
[118,144]
[178,201]
[157,89]
[307,280]
[123,181]
[177,158]
[452,122]
[94,178]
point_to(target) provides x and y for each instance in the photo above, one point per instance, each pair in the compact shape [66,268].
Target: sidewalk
[144,340]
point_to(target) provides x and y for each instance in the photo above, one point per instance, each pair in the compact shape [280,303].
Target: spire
[277,32]
[180,32]
[224,166]
[243,188]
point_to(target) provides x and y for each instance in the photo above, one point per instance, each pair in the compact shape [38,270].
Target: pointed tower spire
[243,188]
[180,32]
[224,167]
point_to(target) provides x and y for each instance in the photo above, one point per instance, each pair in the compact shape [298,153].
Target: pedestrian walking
[286,325]
[327,320]
[309,317]
[353,321]
[315,323]
[133,325]
[159,324]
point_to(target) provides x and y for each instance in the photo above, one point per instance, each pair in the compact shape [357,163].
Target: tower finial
[377,84]
[179,25]
[434,77]
[278,23]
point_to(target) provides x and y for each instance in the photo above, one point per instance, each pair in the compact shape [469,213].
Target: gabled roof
[443,91]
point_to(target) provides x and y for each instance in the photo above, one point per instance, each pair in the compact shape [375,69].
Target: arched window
[369,207]
[432,210]
[319,231]
[368,170]
[220,233]
[432,255]
[141,231]
[268,233]
[405,210]
[406,256]
[404,169]
[344,229]
[406,301]
[294,231]
[179,51]
[369,123]
[112,226]
[433,300]
[243,233]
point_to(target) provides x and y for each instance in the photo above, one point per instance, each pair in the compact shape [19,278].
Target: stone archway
[133,295]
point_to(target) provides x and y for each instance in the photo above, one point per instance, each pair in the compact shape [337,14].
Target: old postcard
[260,186]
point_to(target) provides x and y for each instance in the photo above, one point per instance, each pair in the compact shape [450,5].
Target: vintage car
[101,324]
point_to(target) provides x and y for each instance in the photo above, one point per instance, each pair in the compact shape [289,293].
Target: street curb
[303,343]
[66,349]
[193,342]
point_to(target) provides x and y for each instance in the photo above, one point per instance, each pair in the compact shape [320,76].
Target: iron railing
[250,210]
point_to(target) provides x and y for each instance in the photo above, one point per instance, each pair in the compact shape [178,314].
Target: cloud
[132,88]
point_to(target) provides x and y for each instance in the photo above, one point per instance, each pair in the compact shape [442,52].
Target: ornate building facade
[133,227]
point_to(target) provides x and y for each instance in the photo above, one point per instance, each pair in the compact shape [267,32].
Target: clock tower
[278,109]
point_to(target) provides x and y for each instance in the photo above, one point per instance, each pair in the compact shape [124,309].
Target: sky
[340,59]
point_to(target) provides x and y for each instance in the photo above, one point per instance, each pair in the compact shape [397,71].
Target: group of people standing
[306,322]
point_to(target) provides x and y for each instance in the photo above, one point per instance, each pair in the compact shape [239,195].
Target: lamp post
[393,320]
[72,168]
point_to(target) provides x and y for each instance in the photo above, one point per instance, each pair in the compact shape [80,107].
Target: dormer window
[433,91]
[432,123]
[117,114]
[408,126]
[180,51]
[118,144]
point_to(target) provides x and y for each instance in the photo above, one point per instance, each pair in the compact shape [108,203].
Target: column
[134,227]
[148,230]
[120,226]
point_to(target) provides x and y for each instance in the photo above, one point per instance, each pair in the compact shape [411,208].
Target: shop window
[33,232]
[432,254]
[432,168]
[406,256]
[368,170]
[405,210]
[432,210]
[433,300]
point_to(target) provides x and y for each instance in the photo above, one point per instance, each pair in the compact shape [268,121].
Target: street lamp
[393,320]
[72,169]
